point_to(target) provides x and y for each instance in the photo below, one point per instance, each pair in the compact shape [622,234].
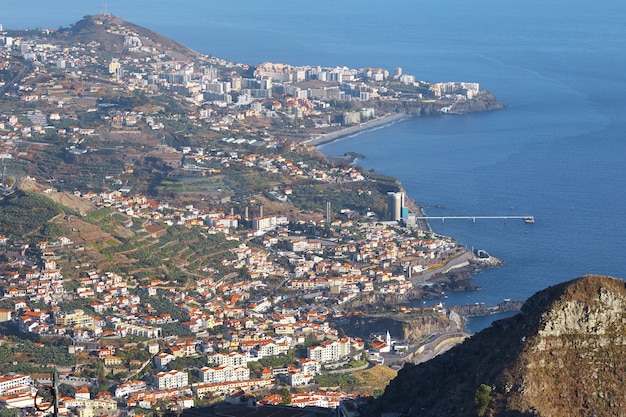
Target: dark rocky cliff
[563,355]
[410,329]
[483,102]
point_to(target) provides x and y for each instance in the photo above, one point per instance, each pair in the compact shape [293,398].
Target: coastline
[380,121]
[351,130]
[465,259]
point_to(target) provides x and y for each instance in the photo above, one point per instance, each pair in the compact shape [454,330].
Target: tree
[66,390]
[482,397]
[286,396]
[8,412]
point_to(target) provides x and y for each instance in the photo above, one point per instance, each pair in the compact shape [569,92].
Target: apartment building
[171,379]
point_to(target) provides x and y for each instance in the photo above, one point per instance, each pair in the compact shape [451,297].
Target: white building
[309,366]
[162,359]
[297,378]
[171,379]
[329,351]
[224,374]
[228,359]
[130,387]
[13,383]
[270,348]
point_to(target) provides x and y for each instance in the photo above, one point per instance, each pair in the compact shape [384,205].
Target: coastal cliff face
[413,330]
[563,355]
[482,102]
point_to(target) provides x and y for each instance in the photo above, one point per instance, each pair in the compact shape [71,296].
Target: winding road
[458,262]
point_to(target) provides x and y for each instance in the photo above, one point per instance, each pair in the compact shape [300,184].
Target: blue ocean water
[557,151]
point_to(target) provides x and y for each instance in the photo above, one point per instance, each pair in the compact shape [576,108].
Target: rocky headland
[562,356]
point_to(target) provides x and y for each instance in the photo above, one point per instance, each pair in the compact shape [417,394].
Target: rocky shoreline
[454,276]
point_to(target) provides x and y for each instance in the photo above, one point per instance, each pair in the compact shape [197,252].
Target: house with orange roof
[112,361]
[274,399]
[82,393]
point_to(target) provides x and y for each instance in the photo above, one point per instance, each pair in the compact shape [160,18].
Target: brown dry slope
[66,199]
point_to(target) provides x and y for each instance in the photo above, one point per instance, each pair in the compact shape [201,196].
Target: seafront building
[395,203]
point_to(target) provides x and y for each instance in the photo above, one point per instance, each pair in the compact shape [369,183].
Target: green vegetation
[9,412]
[14,223]
[359,197]
[182,364]
[67,390]
[286,396]
[29,357]
[245,181]
[179,255]
[174,329]
[51,160]
[385,182]
[53,230]
[134,354]
[190,184]
[355,364]
[482,397]
[162,306]
[346,382]
[277,361]
[125,102]
[409,88]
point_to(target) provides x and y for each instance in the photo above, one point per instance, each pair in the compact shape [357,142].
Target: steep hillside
[22,213]
[563,355]
[113,35]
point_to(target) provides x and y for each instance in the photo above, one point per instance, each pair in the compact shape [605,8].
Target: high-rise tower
[395,202]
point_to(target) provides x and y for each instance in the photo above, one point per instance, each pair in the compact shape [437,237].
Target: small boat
[529,219]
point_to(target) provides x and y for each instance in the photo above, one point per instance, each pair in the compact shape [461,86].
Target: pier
[526,219]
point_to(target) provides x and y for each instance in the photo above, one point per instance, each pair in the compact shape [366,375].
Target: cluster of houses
[199,160]
[227,373]
[223,96]
[228,358]
[332,272]
[375,257]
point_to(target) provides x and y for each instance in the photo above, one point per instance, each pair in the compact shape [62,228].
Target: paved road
[431,349]
[28,67]
[456,262]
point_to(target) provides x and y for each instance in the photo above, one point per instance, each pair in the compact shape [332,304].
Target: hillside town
[251,327]
[258,311]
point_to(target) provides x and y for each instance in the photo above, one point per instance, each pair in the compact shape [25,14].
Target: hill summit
[563,355]
[111,34]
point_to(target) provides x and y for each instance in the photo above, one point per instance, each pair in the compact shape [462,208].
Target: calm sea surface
[558,152]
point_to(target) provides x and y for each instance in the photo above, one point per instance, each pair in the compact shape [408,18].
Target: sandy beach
[351,130]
